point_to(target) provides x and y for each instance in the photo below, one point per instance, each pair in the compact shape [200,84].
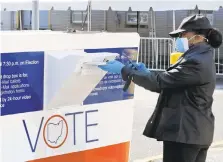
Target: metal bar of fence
[218,60]
[152,54]
[155,53]
[145,51]
[141,40]
[159,52]
[169,50]
[149,53]
[164,51]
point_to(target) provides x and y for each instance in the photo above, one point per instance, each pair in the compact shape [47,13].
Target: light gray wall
[7,20]
[115,21]
[60,20]
[98,20]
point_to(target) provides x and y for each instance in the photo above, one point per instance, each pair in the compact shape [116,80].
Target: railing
[155,53]
[218,57]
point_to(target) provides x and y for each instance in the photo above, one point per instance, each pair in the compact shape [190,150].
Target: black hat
[191,23]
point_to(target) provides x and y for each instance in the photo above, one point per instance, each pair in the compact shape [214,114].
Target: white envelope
[70,76]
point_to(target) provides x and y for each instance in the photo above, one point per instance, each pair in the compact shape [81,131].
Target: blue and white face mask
[182,45]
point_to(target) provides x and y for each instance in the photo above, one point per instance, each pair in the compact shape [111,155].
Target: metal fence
[218,57]
[155,53]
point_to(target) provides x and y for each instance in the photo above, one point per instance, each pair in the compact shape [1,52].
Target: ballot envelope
[70,76]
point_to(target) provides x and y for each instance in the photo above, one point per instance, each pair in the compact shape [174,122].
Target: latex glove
[141,67]
[130,68]
[112,67]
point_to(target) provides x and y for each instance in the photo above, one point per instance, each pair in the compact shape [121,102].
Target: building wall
[7,20]
[116,22]
[44,19]
[27,20]
[111,21]
[98,20]
[60,20]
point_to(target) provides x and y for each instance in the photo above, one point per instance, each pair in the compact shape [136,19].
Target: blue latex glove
[112,67]
[141,67]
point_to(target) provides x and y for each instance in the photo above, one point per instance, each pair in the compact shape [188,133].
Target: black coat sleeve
[185,74]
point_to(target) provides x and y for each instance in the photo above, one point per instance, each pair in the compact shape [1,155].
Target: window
[79,17]
[131,18]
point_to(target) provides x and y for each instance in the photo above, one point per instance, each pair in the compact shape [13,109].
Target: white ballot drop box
[57,104]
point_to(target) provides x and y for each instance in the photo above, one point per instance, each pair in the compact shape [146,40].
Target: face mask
[182,45]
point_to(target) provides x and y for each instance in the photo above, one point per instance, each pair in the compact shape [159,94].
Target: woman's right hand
[141,67]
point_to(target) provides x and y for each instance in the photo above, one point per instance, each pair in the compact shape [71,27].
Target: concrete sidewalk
[143,148]
[214,155]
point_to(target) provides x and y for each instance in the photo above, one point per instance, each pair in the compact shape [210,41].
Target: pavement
[144,149]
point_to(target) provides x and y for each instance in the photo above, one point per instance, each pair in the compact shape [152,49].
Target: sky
[137,5]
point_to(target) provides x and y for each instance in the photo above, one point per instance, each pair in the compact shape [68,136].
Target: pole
[154,23]
[138,13]
[152,35]
[174,28]
[35,15]
[89,15]
[174,21]
[88,18]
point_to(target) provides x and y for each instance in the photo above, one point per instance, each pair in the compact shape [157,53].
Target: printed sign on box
[111,86]
[21,82]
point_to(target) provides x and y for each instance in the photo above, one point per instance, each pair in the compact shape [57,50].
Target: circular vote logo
[55,131]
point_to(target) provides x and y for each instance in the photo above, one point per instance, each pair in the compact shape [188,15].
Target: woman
[183,117]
